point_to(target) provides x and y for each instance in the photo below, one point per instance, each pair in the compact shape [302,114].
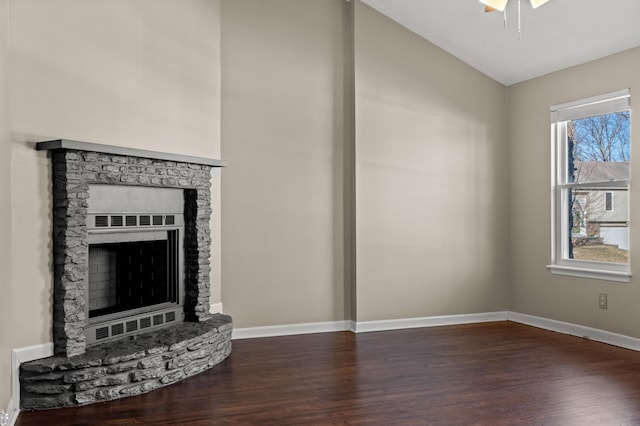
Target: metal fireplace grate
[119,220]
[117,329]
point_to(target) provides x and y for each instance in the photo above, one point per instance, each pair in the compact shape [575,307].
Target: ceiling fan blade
[495,4]
[537,3]
[488,9]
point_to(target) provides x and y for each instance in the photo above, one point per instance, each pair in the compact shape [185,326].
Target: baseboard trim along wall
[364,326]
[398,324]
[12,410]
[598,335]
[291,329]
[18,356]
[215,308]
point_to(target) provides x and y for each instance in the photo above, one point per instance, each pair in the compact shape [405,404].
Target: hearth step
[126,367]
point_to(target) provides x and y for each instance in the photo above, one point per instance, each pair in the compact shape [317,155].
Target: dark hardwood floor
[500,373]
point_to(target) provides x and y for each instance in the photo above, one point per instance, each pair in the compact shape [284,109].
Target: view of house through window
[592,150]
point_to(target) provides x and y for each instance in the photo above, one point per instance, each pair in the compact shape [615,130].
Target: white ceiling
[557,35]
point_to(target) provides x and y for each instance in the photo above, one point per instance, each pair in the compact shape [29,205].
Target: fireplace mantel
[131,152]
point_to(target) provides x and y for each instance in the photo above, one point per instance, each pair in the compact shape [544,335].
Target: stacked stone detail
[73,172]
[126,367]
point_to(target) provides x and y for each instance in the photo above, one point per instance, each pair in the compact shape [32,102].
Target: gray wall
[533,289]
[431,178]
[7,328]
[430,194]
[282,132]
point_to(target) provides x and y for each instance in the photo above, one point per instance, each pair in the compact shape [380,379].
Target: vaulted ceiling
[557,35]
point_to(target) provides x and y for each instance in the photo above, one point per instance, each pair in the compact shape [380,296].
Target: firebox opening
[132,275]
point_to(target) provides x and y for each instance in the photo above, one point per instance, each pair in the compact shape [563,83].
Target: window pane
[598,148]
[599,225]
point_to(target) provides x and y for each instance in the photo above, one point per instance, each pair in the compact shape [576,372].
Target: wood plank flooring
[500,373]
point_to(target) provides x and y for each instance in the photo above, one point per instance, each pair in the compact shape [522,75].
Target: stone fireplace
[131,248]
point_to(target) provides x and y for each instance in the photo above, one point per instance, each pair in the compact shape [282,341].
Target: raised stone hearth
[168,346]
[126,367]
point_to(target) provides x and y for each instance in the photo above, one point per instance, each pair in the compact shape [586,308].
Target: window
[608,201]
[591,146]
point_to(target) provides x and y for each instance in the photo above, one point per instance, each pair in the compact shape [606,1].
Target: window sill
[597,274]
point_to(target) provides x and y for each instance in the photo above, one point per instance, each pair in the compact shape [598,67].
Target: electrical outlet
[602,300]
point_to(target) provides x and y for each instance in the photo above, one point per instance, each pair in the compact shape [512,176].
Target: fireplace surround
[131,271]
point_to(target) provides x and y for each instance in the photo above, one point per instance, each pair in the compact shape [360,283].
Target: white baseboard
[13,410]
[598,335]
[291,329]
[398,324]
[215,308]
[18,356]
[364,326]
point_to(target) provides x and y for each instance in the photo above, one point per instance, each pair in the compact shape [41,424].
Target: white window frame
[560,114]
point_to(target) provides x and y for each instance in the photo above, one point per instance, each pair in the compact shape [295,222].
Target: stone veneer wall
[126,367]
[73,172]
